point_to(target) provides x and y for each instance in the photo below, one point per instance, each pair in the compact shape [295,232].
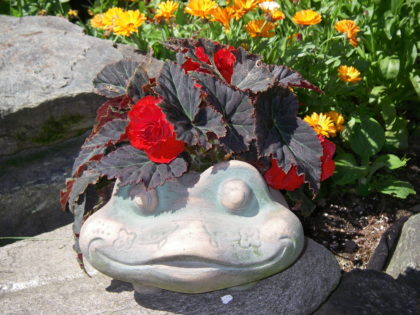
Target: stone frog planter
[194,234]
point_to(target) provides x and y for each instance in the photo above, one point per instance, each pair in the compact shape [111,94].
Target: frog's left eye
[147,200]
[234,194]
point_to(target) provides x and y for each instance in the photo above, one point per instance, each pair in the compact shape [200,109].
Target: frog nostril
[234,194]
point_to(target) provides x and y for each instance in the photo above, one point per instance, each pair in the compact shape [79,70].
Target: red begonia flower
[278,179]
[223,59]
[328,165]
[149,130]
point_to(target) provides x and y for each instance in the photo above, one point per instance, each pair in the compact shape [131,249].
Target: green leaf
[367,137]
[346,169]
[390,67]
[390,161]
[394,187]
[396,136]
[388,111]
[415,81]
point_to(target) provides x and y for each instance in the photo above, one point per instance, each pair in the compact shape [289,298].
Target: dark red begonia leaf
[113,80]
[135,85]
[94,148]
[132,166]
[65,193]
[237,111]
[114,108]
[250,73]
[286,77]
[181,105]
[79,187]
[285,137]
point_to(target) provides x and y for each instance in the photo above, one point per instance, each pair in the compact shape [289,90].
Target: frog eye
[234,194]
[145,199]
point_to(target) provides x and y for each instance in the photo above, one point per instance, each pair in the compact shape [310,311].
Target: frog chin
[190,274]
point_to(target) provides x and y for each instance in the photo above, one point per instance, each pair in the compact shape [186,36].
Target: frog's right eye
[146,200]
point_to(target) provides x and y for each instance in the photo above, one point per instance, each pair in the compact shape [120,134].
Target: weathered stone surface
[47,66]
[43,275]
[386,246]
[369,292]
[405,261]
[29,190]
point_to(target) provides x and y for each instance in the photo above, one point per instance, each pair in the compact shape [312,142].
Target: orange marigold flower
[98,21]
[337,119]
[276,15]
[166,10]
[322,124]
[200,8]
[109,18]
[129,22]
[260,28]
[223,16]
[307,17]
[242,7]
[349,74]
[350,29]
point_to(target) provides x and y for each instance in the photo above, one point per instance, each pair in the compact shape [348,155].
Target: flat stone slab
[370,292]
[42,276]
[47,65]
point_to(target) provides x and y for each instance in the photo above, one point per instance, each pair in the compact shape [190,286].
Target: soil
[351,226]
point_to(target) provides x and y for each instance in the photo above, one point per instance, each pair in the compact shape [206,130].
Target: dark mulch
[351,226]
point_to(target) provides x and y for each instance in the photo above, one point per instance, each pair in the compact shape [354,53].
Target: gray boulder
[367,292]
[405,261]
[47,66]
[42,275]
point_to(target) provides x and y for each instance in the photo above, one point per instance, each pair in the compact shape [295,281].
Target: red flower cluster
[223,59]
[149,130]
[328,165]
[278,179]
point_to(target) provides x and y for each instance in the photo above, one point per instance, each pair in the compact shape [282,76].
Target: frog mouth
[187,261]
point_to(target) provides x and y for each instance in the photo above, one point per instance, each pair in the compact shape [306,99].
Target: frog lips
[191,261]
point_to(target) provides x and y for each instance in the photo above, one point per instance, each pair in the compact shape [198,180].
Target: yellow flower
[322,124]
[42,12]
[200,8]
[307,17]
[129,22]
[98,21]
[110,17]
[348,74]
[166,10]
[260,28]
[223,16]
[350,29]
[73,13]
[337,119]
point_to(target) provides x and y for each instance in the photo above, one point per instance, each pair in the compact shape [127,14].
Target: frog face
[197,233]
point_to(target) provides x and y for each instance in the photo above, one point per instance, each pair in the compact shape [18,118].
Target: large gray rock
[42,276]
[30,186]
[368,292]
[405,261]
[47,66]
